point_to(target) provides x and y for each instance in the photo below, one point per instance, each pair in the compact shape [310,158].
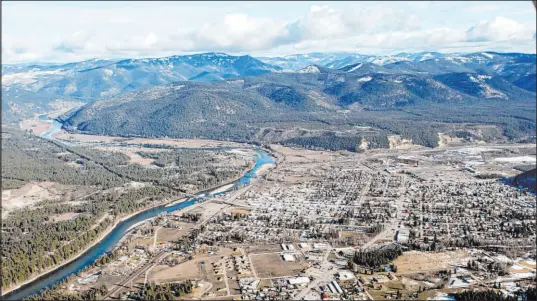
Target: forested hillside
[38,236]
[321,108]
[29,89]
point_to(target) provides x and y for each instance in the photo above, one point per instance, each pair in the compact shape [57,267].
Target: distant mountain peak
[310,69]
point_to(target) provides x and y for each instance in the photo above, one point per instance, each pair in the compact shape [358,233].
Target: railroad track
[133,276]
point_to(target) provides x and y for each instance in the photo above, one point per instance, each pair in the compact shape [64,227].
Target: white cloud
[76,33]
[483,8]
[238,32]
[500,29]
[323,22]
[326,22]
[150,39]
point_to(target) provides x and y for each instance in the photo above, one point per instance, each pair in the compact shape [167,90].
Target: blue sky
[72,31]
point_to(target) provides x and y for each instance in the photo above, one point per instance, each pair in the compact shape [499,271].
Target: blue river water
[110,240]
[56,126]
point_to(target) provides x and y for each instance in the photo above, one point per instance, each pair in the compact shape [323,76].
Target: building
[288,257]
[403,235]
[298,280]
[345,275]
[337,287]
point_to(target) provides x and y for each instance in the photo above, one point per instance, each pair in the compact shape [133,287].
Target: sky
[65,31]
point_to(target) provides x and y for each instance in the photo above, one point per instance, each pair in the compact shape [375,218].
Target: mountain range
[289,99]
[102,78]
[320,102]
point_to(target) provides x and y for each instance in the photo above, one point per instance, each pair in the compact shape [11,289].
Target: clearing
[272,265]
[415,261]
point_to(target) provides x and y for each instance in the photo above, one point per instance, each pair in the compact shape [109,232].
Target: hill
[527,180]
[319,107]
[33,87]
[28,89]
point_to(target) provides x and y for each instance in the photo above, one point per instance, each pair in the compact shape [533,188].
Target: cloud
[151,39]
[389,41]
[325,22]
[483,8]
[238,32]
[499,29]
[77,33]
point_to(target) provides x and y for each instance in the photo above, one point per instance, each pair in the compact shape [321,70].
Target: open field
[27,195]
[239,211]
[132,153]
[167,234]
[207,209]
[63,217]
[272,265]
[36,192]
[37,126]
[294,155]
[186,143]
[415,261]
[257,249]
[187,270]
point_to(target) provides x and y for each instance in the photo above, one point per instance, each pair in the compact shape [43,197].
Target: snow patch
[490,56]
[475,80]
[426,57]
[310,69]
[26,77]
[70,88]
[355,67]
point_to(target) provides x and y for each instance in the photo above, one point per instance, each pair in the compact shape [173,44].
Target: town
[341,225]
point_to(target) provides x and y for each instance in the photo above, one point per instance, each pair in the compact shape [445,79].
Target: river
[110,240]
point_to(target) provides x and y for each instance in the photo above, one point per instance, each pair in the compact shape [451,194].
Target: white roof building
[345,275]
[288,257]
[299,280]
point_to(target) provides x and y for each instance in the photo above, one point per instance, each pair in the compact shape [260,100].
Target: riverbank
[108,230]
[52,269]
[115,224]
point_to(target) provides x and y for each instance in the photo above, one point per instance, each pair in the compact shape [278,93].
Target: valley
[313,210]
[99,186]
[379,179]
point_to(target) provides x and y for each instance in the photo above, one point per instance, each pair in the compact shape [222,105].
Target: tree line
[378,257]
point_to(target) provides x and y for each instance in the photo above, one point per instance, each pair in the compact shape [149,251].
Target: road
[154,261]
[322,275]
[148,266]
[389,229]
[155,239]
[199,294]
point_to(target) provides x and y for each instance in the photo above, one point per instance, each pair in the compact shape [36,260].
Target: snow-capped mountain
[310,69]
[26,85]
[298,61]
[102,78]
